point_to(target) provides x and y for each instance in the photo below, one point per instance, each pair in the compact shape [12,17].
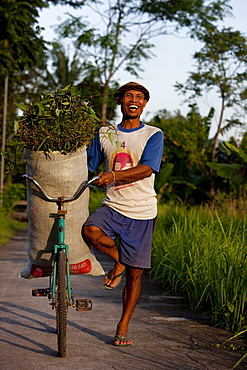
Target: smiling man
[132,152]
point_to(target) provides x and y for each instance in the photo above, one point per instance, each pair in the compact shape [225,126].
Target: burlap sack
[59,175]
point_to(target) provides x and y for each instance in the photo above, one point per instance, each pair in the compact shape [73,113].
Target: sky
[172,63]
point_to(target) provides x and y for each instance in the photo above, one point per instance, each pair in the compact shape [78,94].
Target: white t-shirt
[123,149]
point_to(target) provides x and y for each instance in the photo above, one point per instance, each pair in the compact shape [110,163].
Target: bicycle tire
[61,303]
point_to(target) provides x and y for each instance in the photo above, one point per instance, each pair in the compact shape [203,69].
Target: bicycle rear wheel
[61,303]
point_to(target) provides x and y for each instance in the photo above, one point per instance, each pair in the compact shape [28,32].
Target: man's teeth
[133,107]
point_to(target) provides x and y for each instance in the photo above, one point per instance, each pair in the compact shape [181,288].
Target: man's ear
[118,100]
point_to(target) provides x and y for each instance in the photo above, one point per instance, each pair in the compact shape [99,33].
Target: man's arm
[139,172]
[149,163]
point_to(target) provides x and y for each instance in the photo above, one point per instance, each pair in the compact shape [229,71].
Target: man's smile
[133,106]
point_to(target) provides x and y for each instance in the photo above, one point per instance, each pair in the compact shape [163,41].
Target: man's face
[132,104]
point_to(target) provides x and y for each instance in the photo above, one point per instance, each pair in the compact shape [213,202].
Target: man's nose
[133,98]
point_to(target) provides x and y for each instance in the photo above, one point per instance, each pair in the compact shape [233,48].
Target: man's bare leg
[132,289]
[99,240]
[131,295]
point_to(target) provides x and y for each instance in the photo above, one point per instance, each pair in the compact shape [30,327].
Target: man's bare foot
[113,278]
[121,339]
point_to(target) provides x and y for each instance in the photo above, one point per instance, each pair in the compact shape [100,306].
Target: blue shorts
[135,236]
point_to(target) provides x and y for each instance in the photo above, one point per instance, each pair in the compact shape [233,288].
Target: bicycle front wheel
[61,303]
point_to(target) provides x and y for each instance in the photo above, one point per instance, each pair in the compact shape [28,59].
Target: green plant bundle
[60,121]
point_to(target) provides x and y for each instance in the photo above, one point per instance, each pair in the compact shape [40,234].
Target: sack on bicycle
[59,175]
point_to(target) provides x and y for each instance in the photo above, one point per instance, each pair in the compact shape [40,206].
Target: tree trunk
[6,84]
[213,153]
[105,102]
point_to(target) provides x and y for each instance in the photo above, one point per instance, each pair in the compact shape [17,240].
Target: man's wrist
[114,176]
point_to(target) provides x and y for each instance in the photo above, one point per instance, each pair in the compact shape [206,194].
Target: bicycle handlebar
[77,194]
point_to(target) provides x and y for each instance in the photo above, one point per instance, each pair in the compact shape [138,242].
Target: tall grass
[203,257]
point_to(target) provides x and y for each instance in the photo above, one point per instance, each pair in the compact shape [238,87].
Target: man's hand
[132,174]
[106,178]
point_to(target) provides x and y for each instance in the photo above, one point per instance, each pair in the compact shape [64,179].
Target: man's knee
[133,273]
[91,232]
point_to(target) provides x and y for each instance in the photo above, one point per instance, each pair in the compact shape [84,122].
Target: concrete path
[165,334]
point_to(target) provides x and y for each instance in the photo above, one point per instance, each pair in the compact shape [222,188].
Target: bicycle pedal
[83,304]
[40,292]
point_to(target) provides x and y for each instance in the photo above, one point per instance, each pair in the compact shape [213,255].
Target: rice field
[202,255]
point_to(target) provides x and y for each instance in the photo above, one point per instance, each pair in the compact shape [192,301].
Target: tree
[184,174]
[221,66]
[93,91]
[105,51]
[21,47]
[66,70]
[194,15]
[125,39]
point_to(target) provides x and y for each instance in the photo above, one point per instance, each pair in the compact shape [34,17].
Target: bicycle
[59,291]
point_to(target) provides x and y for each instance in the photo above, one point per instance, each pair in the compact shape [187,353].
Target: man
[133,153]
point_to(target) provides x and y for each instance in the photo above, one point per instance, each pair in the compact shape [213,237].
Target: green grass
[95,200]
[8,227]
[202,256]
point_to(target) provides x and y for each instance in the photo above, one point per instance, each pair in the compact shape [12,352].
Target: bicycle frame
[60,245]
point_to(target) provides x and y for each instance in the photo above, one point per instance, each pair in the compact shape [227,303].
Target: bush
[12,194]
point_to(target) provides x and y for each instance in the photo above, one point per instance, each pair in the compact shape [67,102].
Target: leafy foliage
[235,172]
[66,72]
[221,66]
[12,194]
[183,170]
[107,50]
[228,171]
[194,14]
[74,4]
[21,45]
[60,121]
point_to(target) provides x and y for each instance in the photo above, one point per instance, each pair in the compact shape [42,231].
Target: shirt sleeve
[95,156]
[153,151]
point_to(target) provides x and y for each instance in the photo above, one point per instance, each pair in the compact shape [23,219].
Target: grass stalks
[203,257]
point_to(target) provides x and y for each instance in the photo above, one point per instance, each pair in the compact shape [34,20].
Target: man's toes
[122,341]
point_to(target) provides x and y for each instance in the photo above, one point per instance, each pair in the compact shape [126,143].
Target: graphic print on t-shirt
[122,160]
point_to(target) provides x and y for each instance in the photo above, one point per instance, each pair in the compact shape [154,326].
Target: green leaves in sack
[60,121]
